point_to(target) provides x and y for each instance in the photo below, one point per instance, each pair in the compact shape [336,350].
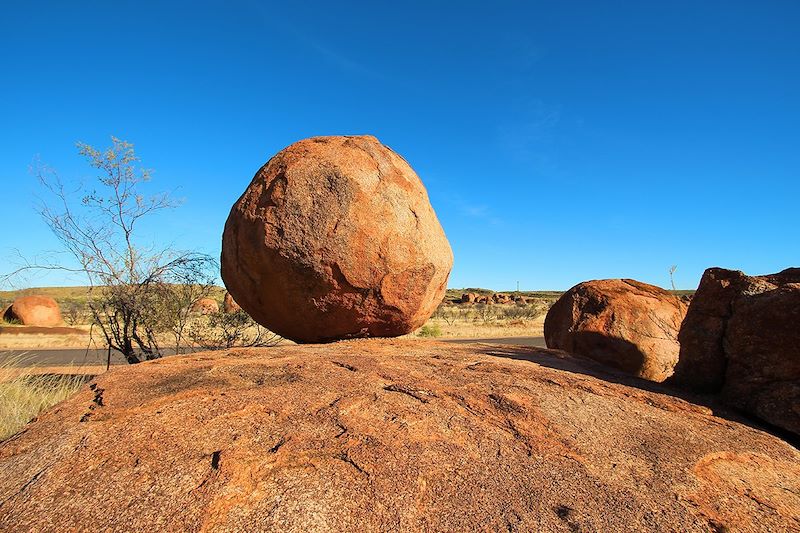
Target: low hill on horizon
[79,293]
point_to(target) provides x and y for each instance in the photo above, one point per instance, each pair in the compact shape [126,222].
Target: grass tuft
[23,395]
[430,330]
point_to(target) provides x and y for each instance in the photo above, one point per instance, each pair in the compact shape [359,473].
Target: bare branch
[133,299]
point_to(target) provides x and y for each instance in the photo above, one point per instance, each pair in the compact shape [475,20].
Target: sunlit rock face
[335,238]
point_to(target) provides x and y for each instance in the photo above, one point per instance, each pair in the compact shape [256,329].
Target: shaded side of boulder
[380,435]
[34,310]
[334,238]
[622,323]
[741,338]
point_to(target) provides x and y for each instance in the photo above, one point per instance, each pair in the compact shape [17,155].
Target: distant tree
[672,270]
[176,299]
[138,292]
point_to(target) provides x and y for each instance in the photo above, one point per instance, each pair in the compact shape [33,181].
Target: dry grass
[465,321]
[488,330]
[25,394]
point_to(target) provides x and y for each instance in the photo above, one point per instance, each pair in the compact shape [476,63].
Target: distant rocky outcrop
[741,338]
[205,306]
[494,298]
[335,238]
[469,298]
[500,298]
[229,305]
[34,310]
[622,323]
[387,435]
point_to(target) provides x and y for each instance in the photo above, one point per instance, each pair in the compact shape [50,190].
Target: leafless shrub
[73,313]
[222,330]
[134,287]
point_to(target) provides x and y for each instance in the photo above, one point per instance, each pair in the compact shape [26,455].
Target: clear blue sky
[559,141]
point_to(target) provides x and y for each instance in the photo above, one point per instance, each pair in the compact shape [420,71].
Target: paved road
[519,341]
[78,357]
[60,357]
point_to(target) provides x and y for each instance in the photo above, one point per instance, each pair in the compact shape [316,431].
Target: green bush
[430,330]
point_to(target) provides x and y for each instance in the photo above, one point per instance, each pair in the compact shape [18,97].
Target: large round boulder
[335,238]
[34,310]
[388,435]
[741,338]
[622,323]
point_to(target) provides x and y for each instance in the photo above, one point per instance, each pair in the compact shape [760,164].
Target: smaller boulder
[468,298]
[621,323]
[741,338]
[229,305]
[205,306]
[34,310]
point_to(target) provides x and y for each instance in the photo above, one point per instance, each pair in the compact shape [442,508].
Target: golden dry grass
[24,393]
[485,329]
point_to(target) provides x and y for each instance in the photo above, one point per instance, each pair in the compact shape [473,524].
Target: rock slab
[741,338]
[623,323]
[383,435]
[335,238]
[35,310]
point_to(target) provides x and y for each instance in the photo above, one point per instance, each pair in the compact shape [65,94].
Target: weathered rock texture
[335,238]
[622,323]
[34,311]
[229,305]
[389,435]
[205,306]
[741,337]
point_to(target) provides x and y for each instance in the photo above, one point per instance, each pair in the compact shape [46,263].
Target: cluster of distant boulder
[209,306]
[44,311]
[496,298]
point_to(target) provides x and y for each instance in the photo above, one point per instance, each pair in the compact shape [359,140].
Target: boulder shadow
[577,364]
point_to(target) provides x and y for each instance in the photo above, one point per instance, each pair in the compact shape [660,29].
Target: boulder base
[741,337]
[623,323]
[389,435]
[34,310]
[335,238]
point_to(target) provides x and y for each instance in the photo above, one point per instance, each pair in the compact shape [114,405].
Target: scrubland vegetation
[455,319]
[140,296]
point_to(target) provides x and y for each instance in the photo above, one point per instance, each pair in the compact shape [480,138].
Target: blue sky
[559,141]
